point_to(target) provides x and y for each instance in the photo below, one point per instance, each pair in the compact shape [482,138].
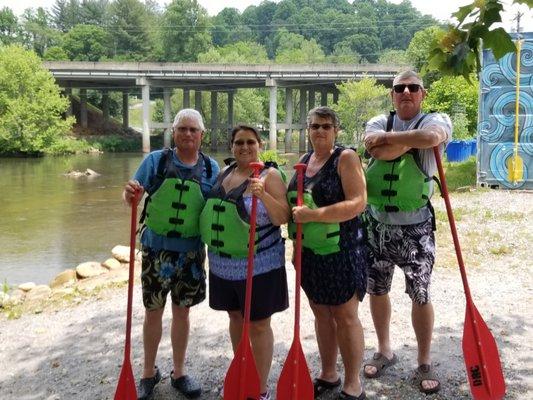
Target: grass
[461,174]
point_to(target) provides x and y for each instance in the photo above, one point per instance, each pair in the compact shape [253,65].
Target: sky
[440,10]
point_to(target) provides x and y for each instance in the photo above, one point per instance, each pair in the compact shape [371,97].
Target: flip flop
[321,386]
[425,372]
[381,363]
[345,396]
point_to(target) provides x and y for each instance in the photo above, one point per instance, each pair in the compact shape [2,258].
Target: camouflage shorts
[180,273]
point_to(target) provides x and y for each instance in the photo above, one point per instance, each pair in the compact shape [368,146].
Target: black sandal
[322,386]
[146,386]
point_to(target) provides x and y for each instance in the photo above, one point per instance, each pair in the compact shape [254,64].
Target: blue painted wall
[497,117]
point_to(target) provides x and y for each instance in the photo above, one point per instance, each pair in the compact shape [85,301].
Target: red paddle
[242,378]
[295,381]
[126,382]
[480,352]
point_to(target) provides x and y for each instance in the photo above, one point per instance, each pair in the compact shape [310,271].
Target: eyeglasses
[185,129]
[241,142]
[413,87]
[326,127]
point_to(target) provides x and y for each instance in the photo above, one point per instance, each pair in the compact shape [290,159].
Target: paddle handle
[517,101]
[256,167]
[468,295]
[133,234]
[300,170]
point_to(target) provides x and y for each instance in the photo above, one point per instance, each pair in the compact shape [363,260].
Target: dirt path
[76,353]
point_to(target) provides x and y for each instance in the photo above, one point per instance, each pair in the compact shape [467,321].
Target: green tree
[358,102]
[368,47]
[227,27]
[86,43]
[55,53]
[185,31]
[37,32]
[457,51]
[236,53]
[129,30]
[393,57]
[65,14]
[292,48]
[420,46]
[94,12]
[453,95]
[31,106]
[9,28]
[343,54]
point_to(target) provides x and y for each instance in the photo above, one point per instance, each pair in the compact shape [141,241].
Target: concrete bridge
[216,79]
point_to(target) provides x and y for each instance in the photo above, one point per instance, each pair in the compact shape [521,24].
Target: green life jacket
[225,223]
[321,238]
[175,200]
[399,184]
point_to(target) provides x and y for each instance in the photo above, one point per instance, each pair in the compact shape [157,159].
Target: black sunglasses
[413,87]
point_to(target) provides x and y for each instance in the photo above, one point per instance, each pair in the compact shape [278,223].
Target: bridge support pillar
[83,108]
[324,97]
[273,114]
[186,98]
[125,109]
[335,96]
[166,117]
[288,120]
[303,120]
[214,120]
[197,100]
[230,116]
[146,115]
[105,109]
[68,95]
[310,106]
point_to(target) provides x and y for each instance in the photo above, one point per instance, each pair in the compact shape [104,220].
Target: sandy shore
[76,353]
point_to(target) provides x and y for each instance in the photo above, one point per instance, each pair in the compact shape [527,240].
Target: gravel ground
[76,353]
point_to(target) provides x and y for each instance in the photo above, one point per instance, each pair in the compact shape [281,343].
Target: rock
[63,278]
[78,174]
[121,253]
[89,285]
[63,291]
[111,264]
[17,296]
[90,172]
[26,287]
[89,269]
[39,292]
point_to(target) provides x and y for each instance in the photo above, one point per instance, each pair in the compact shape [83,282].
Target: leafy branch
[457,50]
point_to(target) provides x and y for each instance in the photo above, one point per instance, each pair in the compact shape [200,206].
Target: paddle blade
[515,169]
[126,389]
[242,378]
[295,381]
[491,384]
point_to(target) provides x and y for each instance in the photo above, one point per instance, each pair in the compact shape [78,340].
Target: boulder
[63,278]
[89,269]
[16,297]
[122,253]
[26,287]
[111,264]
[39,292]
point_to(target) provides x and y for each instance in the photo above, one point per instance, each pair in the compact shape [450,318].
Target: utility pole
[517,19]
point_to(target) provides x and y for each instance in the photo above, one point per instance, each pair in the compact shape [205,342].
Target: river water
[51,222]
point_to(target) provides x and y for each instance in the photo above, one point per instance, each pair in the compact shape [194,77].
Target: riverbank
[75,350]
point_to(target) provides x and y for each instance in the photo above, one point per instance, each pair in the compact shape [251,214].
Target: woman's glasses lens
[413,88]
[316,127]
